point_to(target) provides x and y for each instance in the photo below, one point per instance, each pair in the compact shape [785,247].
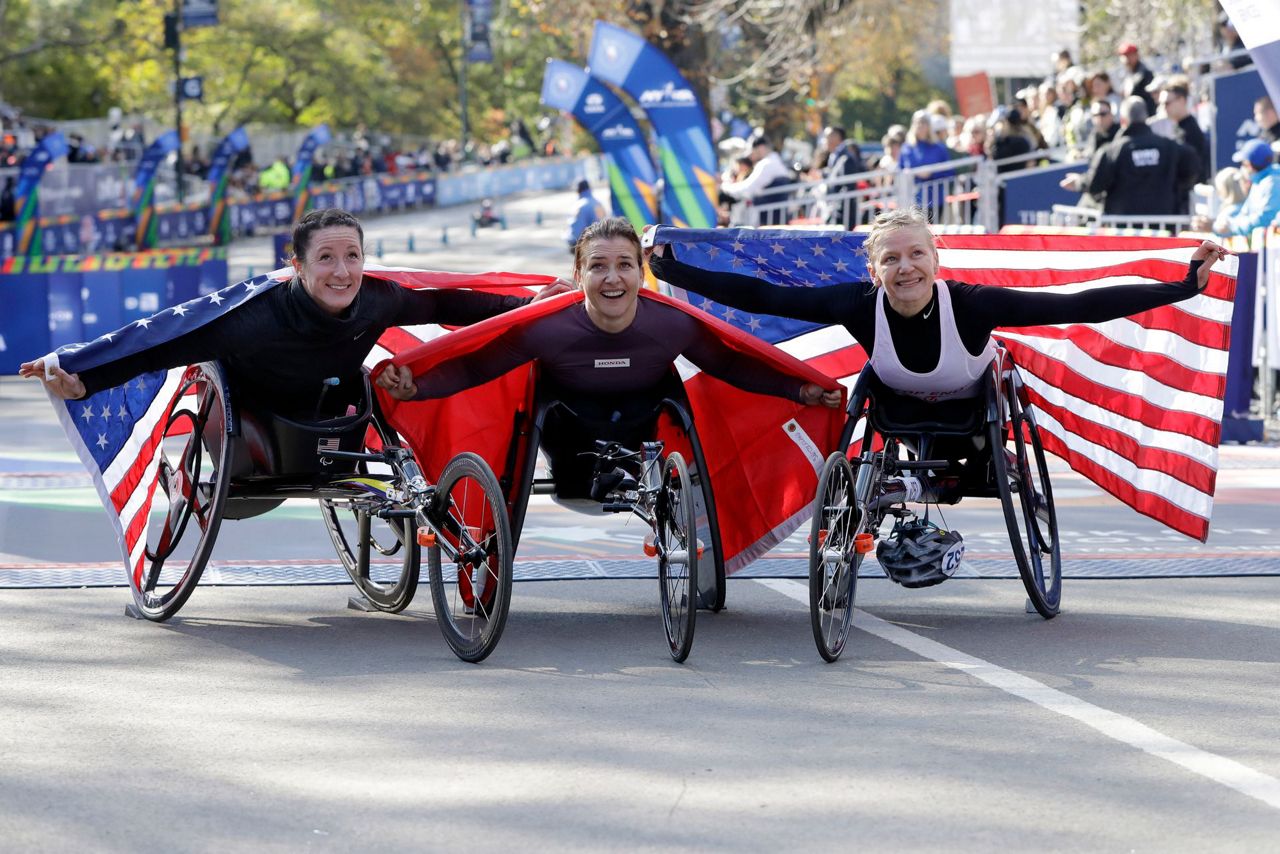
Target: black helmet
[919,554]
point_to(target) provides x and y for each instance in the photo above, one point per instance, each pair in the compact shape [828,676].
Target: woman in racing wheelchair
[933,371]
[292,357]
[607,364]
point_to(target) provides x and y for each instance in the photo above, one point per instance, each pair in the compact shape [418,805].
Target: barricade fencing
[974,191]
[1076,215]
[68,230]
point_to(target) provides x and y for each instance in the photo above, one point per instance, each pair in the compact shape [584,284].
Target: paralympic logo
[594,103]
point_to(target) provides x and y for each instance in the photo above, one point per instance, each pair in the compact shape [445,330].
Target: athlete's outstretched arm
[1007,307]
[460,373]
[452,306]
[829,304]
[715,357]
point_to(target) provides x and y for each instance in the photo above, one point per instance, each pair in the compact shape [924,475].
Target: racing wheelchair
[908,455]
[653,479]
[217,461]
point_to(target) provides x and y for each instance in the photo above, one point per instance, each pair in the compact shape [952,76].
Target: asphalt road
[275,718]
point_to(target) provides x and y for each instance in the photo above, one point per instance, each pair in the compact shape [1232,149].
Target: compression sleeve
[476,368]
[1008,307]
[200,345]
[830,304]
[452,306]
[719,360]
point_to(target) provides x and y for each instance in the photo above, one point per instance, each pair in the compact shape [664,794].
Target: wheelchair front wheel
[676,520]
[471,596]
[833,560]
[192,480]
[1026,495]
[354,531]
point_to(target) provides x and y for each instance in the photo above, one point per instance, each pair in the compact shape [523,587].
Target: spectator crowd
[1139,125]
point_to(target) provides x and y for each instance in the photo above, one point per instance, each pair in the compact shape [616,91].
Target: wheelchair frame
[329,463]
[705,576]
[855,495]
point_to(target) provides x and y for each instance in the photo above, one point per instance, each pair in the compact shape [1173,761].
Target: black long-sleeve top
[600,369]
[978,309]
[279,347]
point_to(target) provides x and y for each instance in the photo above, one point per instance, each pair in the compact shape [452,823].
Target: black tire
[469,499]
[356,535]
[711,564]
[1022,479]
[676,520]
[833,561]
[193,477]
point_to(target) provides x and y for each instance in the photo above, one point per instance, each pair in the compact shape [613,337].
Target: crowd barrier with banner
[170,224]
[52,300]
[1026,194]
[460,188]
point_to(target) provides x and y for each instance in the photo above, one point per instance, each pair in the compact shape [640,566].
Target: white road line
[1228,772]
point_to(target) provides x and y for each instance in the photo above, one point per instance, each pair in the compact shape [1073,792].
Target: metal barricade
[957,198]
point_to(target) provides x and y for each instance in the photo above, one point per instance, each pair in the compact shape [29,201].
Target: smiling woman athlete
[281,347]
[609,359]
[928,338]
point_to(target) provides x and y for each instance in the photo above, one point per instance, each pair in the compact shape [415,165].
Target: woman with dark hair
[283,348]
[608,358]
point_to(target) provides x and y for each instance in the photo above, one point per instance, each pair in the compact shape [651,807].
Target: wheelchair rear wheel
[676,519]
[833,560]
[472,592]
[356,534]
[1022,479]
[194,473]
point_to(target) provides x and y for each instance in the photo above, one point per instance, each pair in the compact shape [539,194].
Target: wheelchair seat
[951,430]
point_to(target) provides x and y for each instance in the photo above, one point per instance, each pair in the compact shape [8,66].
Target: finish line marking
[1220,769]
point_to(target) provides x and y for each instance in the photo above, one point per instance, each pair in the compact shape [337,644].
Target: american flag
[1134,404]
[117,431]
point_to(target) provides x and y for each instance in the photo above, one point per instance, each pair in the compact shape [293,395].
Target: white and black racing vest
[958,373]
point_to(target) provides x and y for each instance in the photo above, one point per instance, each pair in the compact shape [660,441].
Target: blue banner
[301,179]
[144,181]
[219,171]
[685,152]
[479,16]
[632,177]
[27,192]
[1026,194]
[1233,124]
[55,300]
[180,224]
[199,13]
[1258,23]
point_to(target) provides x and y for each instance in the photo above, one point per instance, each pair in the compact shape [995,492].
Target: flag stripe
[1097,424]
[1171,366]
[1152,405]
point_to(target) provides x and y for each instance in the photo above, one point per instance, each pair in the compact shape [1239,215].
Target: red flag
[762,452]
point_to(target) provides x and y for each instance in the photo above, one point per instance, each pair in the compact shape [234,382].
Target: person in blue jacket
[589,210]
[923,149]
[1262,206]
